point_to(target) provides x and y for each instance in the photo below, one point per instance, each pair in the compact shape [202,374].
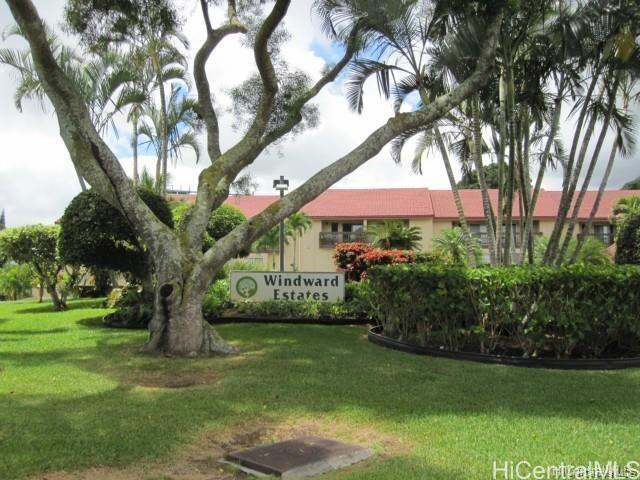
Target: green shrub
[134,309]
[355,307]
[216,300]
[628,240]
[15,281]
[571,311]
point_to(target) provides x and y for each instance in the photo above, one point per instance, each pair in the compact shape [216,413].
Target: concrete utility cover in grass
[300,457]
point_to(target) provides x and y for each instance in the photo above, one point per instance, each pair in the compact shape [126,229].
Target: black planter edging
[291,320]
[561,364]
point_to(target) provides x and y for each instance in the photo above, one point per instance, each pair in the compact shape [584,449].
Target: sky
[37,179]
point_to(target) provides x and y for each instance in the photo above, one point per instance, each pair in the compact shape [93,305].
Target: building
[344,215]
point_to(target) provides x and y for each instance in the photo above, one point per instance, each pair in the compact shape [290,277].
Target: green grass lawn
[75,395]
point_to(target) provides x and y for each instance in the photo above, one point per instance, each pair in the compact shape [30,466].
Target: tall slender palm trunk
[555,124]
[567,196]
[510,101]
[456,195]
[596,203]
[477,156]
[501,153]
[134,146]
[164,138]
[590,170]
[557,258]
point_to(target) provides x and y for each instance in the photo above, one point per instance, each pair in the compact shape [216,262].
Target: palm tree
[295,226]
[450,246]
[625,208]
[181,125]
[98,79]
[269,243]
[607,40]
[394,234]
[402,31]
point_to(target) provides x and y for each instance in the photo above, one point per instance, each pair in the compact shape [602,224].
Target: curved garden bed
[376,336]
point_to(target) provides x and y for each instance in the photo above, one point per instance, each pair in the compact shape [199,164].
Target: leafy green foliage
[451,247]
[100,23]
[218,304]
[593,251]
[393,234]
[96,235]
[15,281]
[134,309]
[569,311]
[355,259]
[35,245]
[625,207]
[470,178]
[224,219]
[628,240]
[632,185]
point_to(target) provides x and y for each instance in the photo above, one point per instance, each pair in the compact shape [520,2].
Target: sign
[292,286]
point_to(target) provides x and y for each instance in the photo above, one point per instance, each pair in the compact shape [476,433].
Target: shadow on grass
[33,332]
[47,307]
[295,370]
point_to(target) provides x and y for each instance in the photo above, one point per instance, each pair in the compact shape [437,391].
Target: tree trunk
[510,100]
[477,141]
[178,327]
[58,303]
[555,123]
[134,146]
[567,194]
[590,170]
[501,152]
[456,196]
[164,146]
[596,203]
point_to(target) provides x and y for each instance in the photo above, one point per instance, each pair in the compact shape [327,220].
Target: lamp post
[282,185]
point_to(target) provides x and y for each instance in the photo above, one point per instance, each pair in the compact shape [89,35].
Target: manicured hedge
[568,312]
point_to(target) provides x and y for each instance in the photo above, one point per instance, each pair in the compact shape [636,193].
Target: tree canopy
[281,106]
[97,235]
[37,246]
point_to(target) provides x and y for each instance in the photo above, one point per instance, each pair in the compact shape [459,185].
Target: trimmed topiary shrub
[564,312]
[96,235]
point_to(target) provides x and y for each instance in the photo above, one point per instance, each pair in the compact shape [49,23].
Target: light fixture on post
[282,185]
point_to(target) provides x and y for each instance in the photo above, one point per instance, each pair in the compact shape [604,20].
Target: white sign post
[291,286]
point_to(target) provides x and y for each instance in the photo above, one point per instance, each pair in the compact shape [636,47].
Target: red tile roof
[371,203]
[416,203]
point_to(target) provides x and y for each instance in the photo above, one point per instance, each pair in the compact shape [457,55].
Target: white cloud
[37,178]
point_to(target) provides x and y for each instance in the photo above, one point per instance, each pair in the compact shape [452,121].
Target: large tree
[182,270]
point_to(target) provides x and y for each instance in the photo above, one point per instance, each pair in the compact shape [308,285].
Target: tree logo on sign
[246,287]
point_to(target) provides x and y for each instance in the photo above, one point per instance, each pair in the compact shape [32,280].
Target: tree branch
[205,104]
[88,151]
[248,232]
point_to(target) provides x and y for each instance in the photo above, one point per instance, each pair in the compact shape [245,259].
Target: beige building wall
[310,257]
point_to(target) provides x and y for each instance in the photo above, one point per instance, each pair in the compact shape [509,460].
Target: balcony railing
[606,238]
[331,239]
[483,238]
